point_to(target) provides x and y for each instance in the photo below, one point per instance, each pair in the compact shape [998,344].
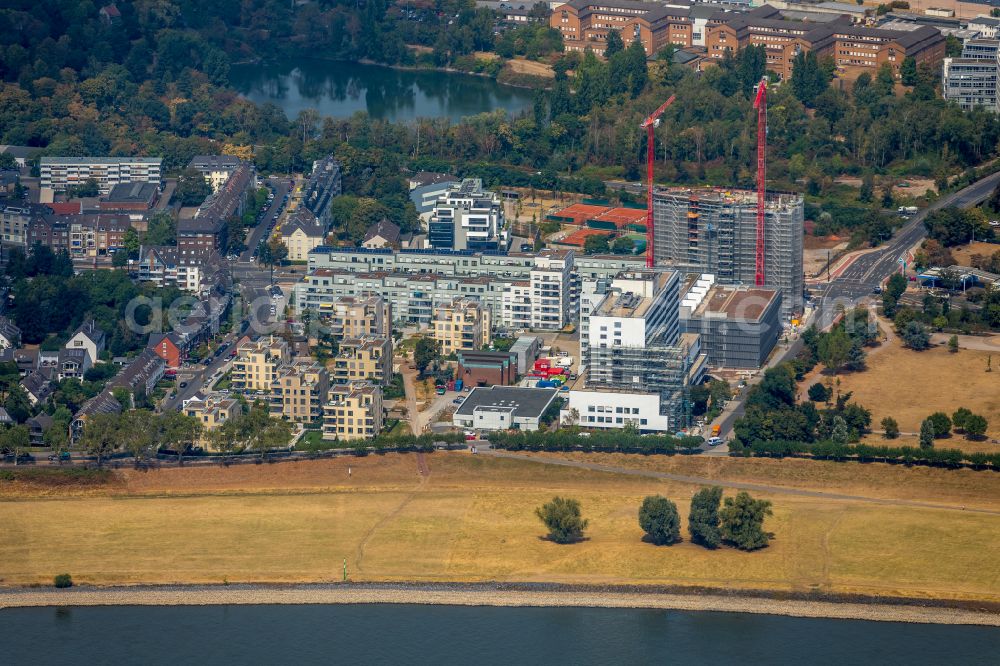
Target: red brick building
[485,368]
[165,346]
[584,24]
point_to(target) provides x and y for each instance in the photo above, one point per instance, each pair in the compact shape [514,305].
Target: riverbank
[500,595]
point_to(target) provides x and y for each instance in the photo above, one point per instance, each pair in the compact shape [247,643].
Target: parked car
[458,401]
[60,457]
[182,385]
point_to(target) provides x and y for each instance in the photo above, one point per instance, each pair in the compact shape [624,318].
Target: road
[280,188]
[196,375]
[870,270]
[855,283]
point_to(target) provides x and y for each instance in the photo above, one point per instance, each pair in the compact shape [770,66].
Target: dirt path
[738,485]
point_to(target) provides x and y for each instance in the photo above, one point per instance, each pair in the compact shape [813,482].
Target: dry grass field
[472,519]
[909,386]
[532,67]
[964,253]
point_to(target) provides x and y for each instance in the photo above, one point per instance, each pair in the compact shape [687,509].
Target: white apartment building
[467,217]
[215,168]
[59,173]
[516,305]
[552,290]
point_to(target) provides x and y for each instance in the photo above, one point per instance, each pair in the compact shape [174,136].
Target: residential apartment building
[215,168]
[258,362]
[50,230]
[136,198]
[971,80]
[715,231]
[59,173]
[467,217]
[141,374]
[854,49]
[189,269]
[552,303]
[324,184]
[301,232]
[88,337]
[415,282]
[299,391]
[353,412]
[364,359]
[584,24]
[15,223]
[212,411]
[350,317]
[96,235]
[426,187]
[207,230]
[738,326]
[462,325]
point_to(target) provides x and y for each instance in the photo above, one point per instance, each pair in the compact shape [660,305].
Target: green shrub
[63,580]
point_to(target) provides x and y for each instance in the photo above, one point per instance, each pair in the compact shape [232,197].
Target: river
[399,634]
[341,89]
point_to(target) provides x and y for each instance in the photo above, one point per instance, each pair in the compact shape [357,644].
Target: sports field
[471,518]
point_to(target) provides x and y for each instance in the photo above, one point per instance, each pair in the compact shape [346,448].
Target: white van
[714,441]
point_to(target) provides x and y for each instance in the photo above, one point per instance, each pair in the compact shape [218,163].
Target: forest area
[154,82]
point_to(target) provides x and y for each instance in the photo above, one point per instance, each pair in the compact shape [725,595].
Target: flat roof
[139,192]
[525,402]
[736,302]
[101,160]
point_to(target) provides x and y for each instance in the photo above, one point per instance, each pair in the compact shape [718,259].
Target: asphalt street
[280,188]
[871,270]
[857,281]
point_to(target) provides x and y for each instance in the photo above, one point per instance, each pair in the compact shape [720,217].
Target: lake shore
[500,595]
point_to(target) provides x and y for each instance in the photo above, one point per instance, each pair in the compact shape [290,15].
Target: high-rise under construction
[715,231]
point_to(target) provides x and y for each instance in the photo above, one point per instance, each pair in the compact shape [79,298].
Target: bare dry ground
[532,67]
[473,519]
[909,386]
[963,253]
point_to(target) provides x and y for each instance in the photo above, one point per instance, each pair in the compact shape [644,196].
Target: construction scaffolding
[715,231]
[657,369]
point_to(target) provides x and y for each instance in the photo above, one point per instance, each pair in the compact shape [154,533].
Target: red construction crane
[760,103]
[651,123]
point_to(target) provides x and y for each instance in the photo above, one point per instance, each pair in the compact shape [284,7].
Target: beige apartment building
[462,325]
[257,363]
[211,412]
[299,391]
[350,317]
[353,412]
[368,358]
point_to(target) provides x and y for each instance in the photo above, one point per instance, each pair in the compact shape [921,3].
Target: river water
[340,89]
[387,634]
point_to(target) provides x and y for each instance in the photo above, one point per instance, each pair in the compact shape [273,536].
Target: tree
[563,518]
[890,427]
[953,344]
[819,393]
[100,435]
[867,191]
[908,71]
[192,188]
[915,336]
[177,431]
[926,434]
[135,433]
[614,44]
[659,519]
[959,418]
[622,245]
[834,349]
[161,230]
[596,244]
[941,424]
[809,79]
[743,521]
[15,440]
[840,433]
[703,520]
[975,426]
[7,161]
[426,351]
